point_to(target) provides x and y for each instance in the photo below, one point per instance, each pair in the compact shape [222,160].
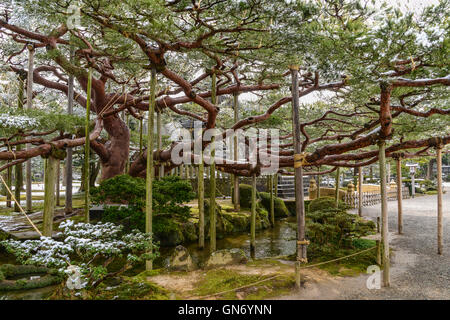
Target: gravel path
[417,271]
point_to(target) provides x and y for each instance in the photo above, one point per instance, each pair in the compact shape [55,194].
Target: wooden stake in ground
[69,176]
[150,167]
[439,200]
[399,196]
[360,198]
[384,214]
[298,161]
[29,106]
[212,177]
[18,170]
[236,154]
[336,189]
[253,218]
[87,148]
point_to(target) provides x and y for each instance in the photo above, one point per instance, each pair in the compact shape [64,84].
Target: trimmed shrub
[336,227]
[280,209]
[324,203]
[168,195]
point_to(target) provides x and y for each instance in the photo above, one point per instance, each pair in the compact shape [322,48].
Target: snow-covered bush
[90,248]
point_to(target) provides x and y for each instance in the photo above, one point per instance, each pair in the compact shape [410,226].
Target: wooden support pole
[69,170]
[360,193]
[318,185]
[299,196]
[159,141]
[87,148]
[276,184]
[150,167]
[9,183]
[201,203]
[18,170]
[140,135]
[336,189]
[29,106]
[384,214]
[51,169]
[378,242]
[272,204]
[399,196]
[212,178]
[440,227]
[57,185]
[253,218]
[236,154]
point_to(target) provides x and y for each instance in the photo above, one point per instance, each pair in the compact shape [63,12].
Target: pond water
[271,242]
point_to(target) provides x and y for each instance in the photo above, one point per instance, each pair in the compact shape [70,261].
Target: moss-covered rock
[245,195]
[181,260]
[46,277]
[280,209]
[223,225]
[226,257]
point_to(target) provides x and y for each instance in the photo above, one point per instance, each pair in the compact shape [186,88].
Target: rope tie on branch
[300,159]
[11,150]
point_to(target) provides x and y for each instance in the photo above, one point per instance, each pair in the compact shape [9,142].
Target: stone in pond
[181,260]
[226,257]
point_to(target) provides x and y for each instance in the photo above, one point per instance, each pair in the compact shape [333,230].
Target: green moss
[324,203]
[220,280]
[245,195]
[132,289]
[280,209]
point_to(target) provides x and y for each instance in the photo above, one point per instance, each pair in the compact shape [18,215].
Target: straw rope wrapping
[300,160]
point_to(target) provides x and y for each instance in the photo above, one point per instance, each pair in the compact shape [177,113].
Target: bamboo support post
[253,218]
[439,200]
[272,204]
[69,174]
[336,190]
[399,196]
[31,50]
[236,154]
[150,167]
[384,214]
[51,169]
[87,149]
[18,170]
[212,177]
[299,196]
[360,193]
[201,203]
